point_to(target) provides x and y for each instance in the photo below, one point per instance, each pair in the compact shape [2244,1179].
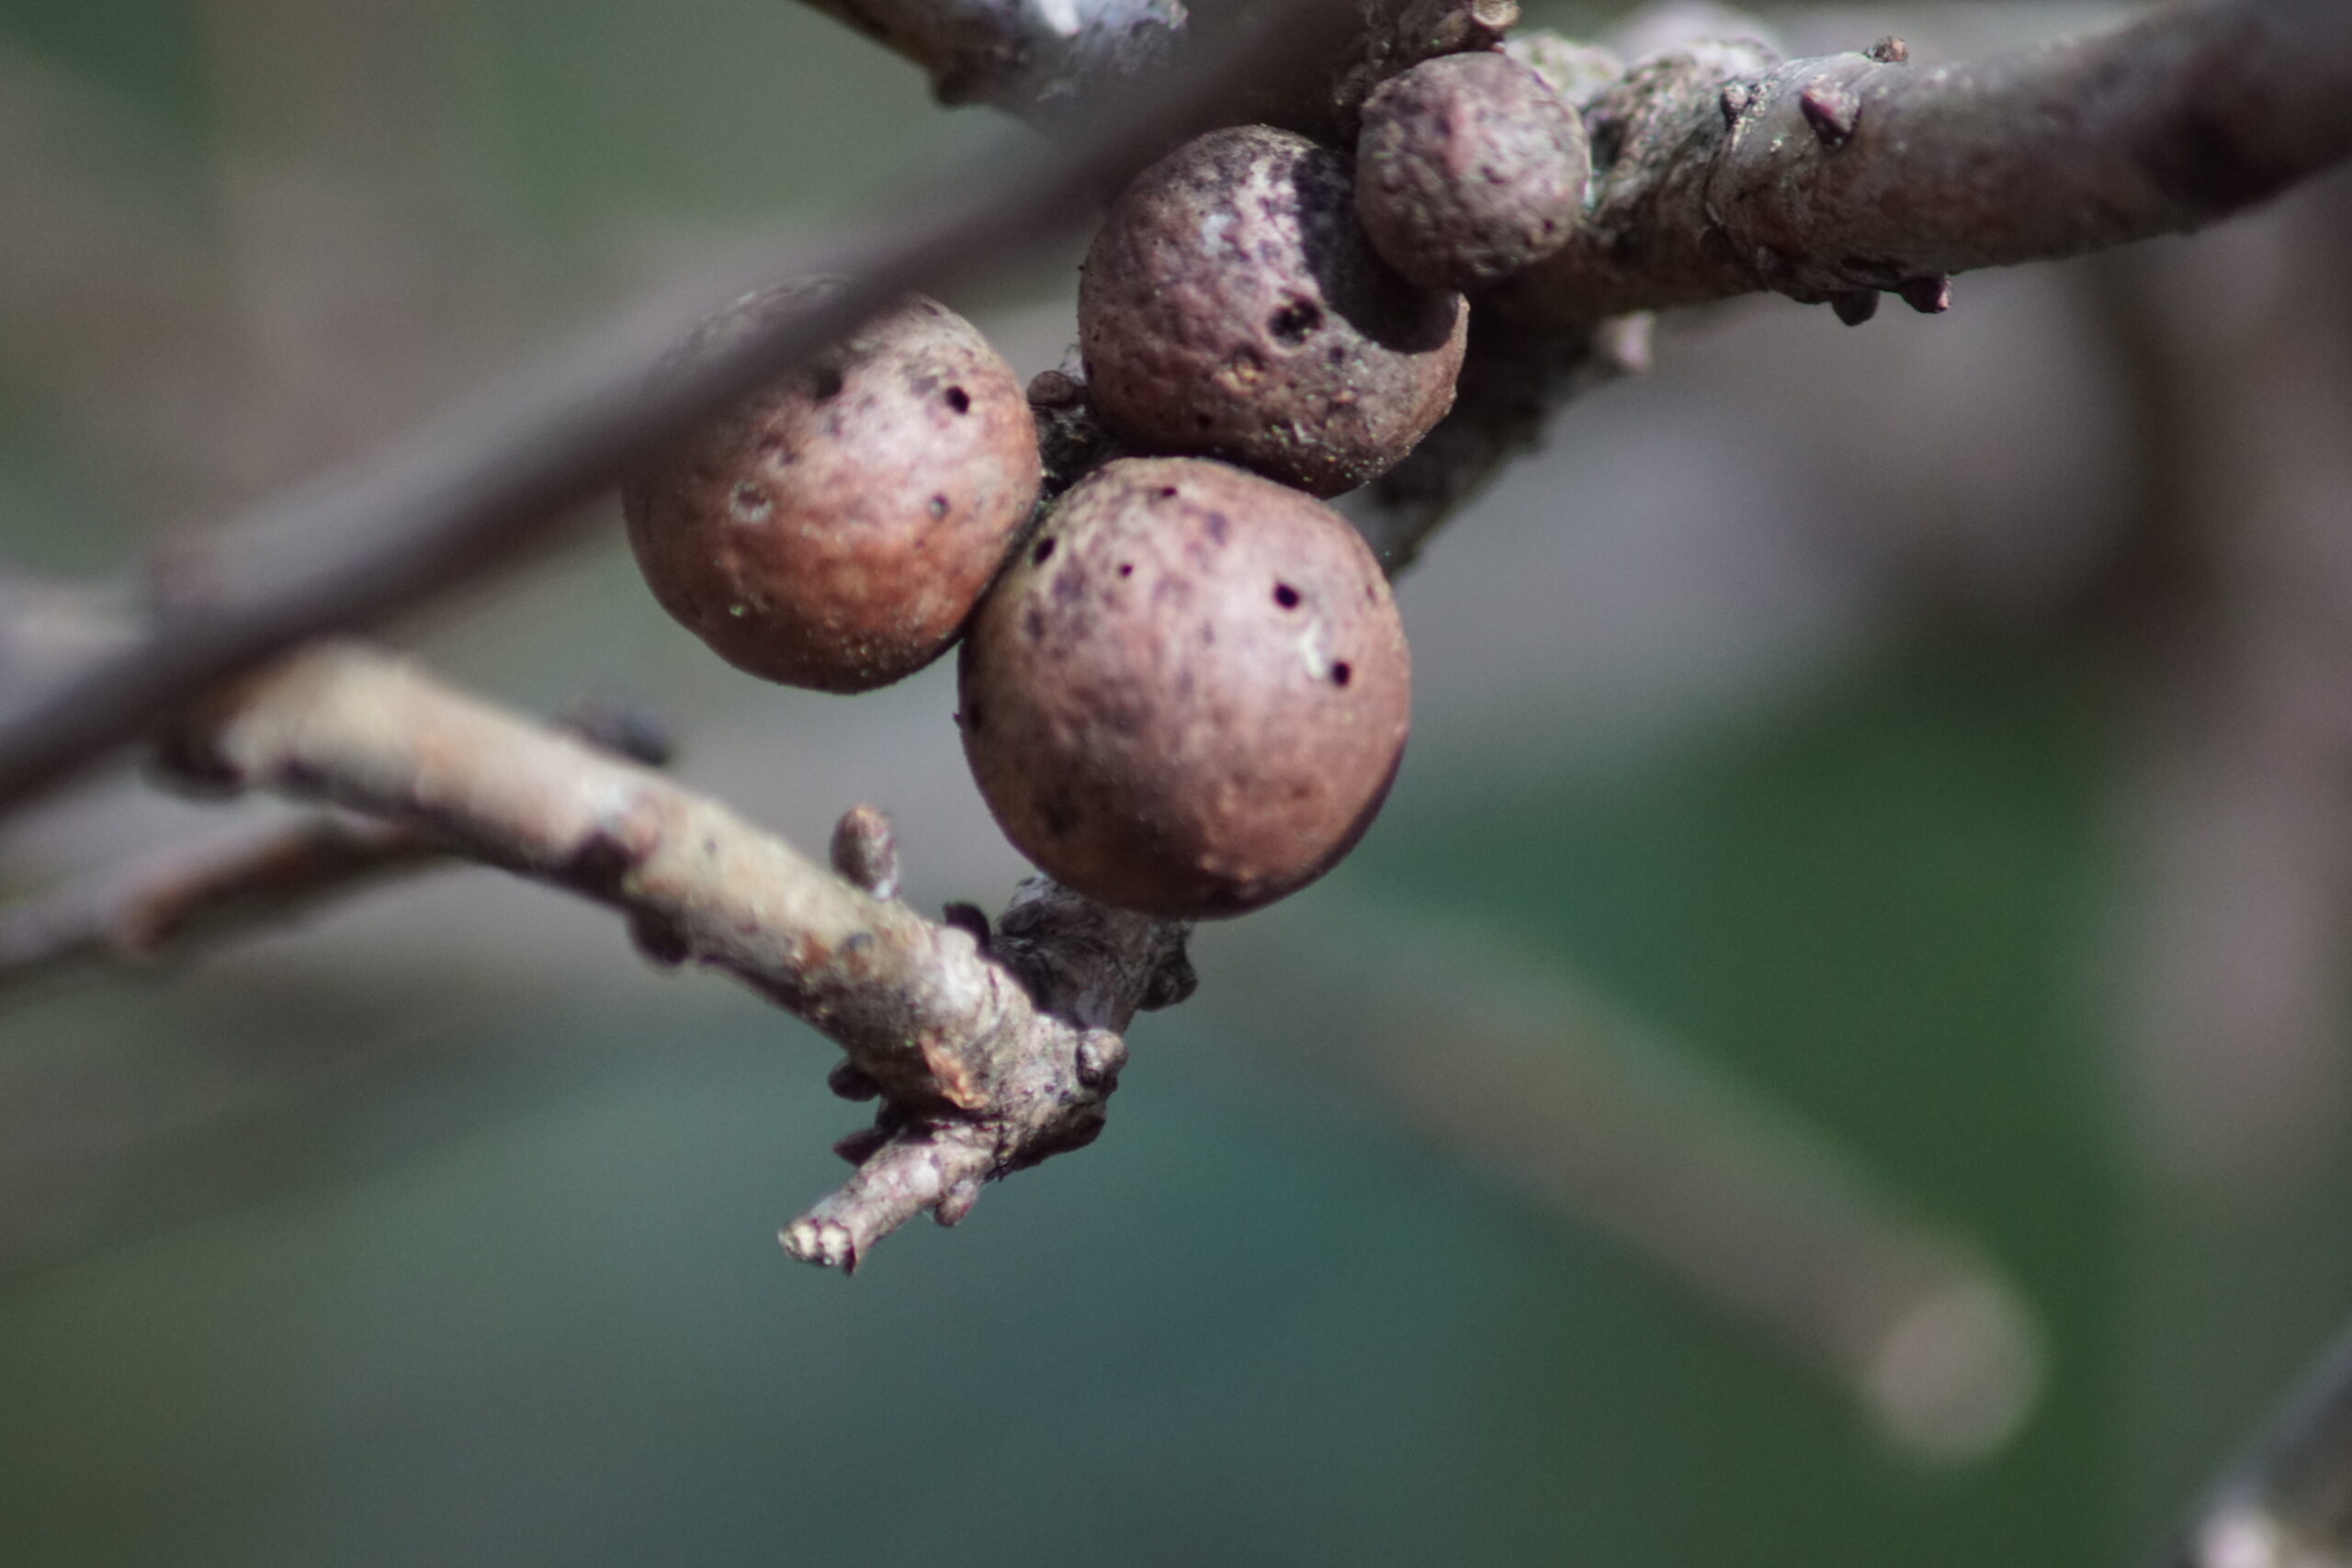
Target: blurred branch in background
[352,227]
[2238,632]
[246,877]
[2287,1501]
[2229,621]
[1526,1075]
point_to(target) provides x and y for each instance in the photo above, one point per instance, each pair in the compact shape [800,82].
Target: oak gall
[835,529]
[1189,693]
[1469,168]
[1232,306]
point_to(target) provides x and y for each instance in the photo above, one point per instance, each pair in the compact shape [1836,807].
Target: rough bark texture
[986,1062]
[1719,172]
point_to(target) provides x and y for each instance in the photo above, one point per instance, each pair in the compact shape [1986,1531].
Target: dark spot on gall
[1341,674]
[1285,596]
[829,384]
[959,400]
[1127,568]
[1042,553]
[1295,321]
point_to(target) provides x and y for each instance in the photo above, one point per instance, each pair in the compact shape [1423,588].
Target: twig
[989,1059]
[2286,1501]
[1719,172]
[500,478]
[232,881]
[252,876]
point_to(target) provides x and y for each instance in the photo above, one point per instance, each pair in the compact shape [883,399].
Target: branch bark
[991,1050]
[1720,173]
[253,875]
[1036,59]
[1043,60]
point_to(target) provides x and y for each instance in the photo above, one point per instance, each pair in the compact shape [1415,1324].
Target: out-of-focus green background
[1783,703]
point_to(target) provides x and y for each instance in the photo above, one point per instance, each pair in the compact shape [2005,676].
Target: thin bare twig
[992,1050]
[230,883]
[253,875]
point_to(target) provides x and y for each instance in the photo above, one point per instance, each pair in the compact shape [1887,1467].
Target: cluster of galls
[1184,690]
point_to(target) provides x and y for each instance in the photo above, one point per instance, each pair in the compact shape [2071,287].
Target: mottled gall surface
[1232,306]
[1469,169]
[1188,695]
[835,529]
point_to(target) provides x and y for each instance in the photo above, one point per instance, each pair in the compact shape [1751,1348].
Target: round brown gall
[1469,168]
[835,529]
[1189,693]
[1232,306]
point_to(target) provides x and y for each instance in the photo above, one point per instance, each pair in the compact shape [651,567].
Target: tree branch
[236,880]
[1719,172]
[250,876]
[1036,59]
[499,478]
[1045,59]
[990,1053]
